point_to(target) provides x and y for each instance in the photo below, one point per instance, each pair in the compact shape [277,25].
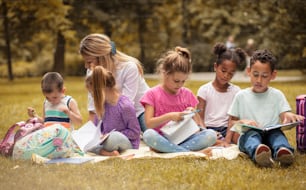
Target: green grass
[155,173]
[289,73]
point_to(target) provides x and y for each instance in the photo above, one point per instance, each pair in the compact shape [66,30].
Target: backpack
[51,142]
[301,128]
[16,132]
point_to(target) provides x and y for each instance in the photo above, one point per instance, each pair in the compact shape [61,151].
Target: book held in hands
[285,126]
[240,128]
[177,132]
[89,136]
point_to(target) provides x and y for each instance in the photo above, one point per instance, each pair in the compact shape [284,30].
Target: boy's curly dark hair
[264,56]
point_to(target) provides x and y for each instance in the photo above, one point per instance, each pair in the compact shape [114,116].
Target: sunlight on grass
[178,173]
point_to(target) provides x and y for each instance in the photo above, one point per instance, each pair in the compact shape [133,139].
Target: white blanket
[144,151]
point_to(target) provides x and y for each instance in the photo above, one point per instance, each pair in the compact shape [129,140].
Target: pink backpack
[22,129]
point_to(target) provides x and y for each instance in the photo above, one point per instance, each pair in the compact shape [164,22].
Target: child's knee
[150,135]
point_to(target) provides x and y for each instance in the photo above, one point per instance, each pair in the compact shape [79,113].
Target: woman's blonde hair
[101,47]
[97,83]
[177,60]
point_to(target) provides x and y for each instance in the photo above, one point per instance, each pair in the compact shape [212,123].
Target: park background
[44,35]
[40,36]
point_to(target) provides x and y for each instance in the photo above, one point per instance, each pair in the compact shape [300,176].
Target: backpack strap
[7,144]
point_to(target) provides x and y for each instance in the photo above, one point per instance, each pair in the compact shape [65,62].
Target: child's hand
[31,112]
[177,116]
[248,122]
[222,143]
[289,117]
[189,109]
[64,109]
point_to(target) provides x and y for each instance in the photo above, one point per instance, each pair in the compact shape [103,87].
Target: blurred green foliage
[147,28]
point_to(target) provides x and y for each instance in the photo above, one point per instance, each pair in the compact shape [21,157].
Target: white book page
[177,132]
[88,136]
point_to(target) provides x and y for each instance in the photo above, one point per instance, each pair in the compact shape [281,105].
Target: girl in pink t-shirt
[170,101]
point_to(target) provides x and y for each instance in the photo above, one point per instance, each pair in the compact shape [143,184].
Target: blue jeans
[142,123]
[275,139]
[222,130]
[196,142]
[115,141]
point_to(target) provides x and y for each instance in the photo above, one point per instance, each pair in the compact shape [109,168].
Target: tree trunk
[185,22]
[59,54]
[7,42]
[141,31]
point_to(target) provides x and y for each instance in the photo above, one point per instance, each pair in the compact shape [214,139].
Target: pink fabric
[164,102]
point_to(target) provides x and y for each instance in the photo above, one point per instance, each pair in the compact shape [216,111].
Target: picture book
[88,136]
[286,126]
[177,132]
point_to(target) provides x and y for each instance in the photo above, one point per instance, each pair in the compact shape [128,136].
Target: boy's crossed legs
[258,146]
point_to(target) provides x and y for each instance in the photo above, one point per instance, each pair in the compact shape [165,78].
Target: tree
[7,41]
[22,14]
[146,28]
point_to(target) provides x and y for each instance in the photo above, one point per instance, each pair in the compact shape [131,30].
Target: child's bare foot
[221,143]
[106,153]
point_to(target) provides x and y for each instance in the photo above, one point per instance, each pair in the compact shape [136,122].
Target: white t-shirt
[130,83]
[217,104]
[264,108]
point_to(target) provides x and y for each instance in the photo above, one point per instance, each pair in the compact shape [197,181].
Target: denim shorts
[222,130]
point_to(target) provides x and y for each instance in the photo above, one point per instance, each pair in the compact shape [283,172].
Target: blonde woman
[98,49]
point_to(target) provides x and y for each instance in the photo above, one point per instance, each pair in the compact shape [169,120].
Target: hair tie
[113,47]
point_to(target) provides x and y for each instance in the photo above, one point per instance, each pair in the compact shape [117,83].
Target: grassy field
[177,173]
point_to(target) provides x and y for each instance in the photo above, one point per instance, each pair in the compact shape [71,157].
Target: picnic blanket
[144,151]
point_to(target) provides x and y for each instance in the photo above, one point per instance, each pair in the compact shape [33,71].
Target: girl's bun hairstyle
[236,55]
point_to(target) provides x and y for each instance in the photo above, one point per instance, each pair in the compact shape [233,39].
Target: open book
[177,132]
[241,128]
[88,136]
[286,126]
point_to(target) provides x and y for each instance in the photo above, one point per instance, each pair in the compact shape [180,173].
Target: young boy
[58,108]
[261,105]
